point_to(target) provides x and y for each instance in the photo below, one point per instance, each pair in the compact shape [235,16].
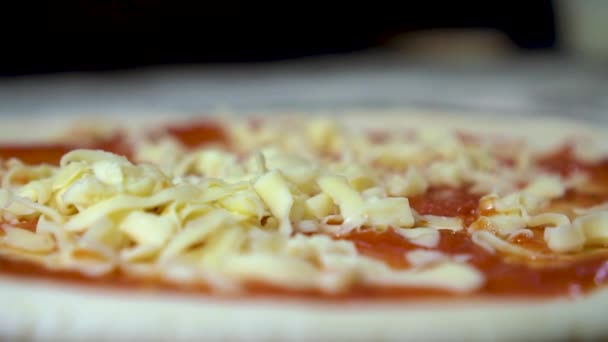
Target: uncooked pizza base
[42,310]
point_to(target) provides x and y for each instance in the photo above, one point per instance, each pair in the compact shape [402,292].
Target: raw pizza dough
[42,310]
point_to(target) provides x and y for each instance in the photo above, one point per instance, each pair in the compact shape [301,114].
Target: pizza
[360,226]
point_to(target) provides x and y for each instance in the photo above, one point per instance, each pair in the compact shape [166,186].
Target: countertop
[520,86]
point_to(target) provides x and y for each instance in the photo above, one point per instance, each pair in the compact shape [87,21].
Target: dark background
[105,35]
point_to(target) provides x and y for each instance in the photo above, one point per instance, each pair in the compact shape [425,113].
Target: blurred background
[542,57]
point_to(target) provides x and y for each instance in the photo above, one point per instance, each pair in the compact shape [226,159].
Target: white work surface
[370,81]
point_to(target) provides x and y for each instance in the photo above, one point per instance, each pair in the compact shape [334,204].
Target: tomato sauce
[535,241]
[191,136]
[29,224]
[504,277]
[563,161]
[198,134]
[448,201]
[116,144]
[52,153]
[35,154]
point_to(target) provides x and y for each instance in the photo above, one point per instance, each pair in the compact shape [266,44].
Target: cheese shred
[266,209]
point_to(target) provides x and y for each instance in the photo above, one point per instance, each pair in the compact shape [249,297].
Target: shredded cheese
[266,209]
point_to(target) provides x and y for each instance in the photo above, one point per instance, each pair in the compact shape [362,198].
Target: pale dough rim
[39,310]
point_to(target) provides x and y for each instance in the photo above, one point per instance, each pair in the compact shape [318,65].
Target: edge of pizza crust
[43,311]
[37,310]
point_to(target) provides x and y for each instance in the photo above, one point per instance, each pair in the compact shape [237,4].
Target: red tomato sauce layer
[447,201]
[198,133]
[563,161]
[503,278]
[52,153]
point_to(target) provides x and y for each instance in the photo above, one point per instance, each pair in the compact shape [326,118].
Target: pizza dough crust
[41,310]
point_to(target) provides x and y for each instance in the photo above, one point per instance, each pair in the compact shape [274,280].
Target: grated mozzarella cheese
[264,210]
